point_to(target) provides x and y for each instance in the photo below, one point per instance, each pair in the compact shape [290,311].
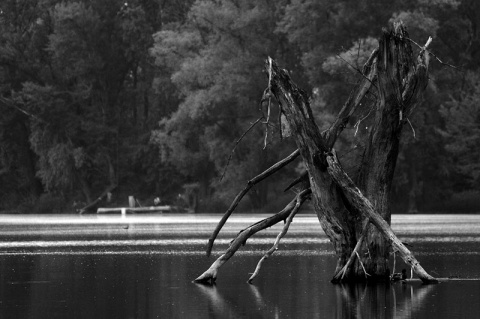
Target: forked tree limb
[301,197]
[210,274]
[273,169]
[356,199]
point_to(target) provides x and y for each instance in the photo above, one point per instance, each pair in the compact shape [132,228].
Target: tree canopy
[154,97]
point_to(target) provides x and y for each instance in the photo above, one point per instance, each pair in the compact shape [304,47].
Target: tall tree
[78,75]
[22,38]
[213,56]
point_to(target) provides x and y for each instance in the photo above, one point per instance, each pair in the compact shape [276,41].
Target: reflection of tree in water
[218,306]
[222,307]
[380,301]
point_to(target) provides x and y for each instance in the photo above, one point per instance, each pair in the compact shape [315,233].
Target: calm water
[143,267]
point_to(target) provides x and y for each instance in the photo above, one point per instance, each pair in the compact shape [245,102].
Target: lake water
[143,267]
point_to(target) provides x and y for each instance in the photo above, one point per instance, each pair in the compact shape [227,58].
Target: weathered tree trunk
[400,81]
[332,214]
[343,209]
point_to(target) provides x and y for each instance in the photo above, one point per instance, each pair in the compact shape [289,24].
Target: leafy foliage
[462,131]
[153,95]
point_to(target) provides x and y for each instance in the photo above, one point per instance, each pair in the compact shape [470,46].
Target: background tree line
[150,97]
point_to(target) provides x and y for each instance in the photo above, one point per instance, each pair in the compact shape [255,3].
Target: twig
[266,125]
[413,130]
[269,94]
[356,69]
[280,123]
[353,255]
[356,95]
[301,197]
[273,169]
[359,121]
[424,48]
[361,264]
[302,177]
[358,54]
[236,144]
[394,261]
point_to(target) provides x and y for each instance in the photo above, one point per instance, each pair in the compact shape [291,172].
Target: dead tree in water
[354,215]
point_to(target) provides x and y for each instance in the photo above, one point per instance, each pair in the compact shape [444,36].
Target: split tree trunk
[399,83]
[343,209]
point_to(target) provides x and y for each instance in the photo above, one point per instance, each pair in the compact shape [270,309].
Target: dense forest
[152,98]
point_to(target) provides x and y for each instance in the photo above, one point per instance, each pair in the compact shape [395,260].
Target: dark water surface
[143,267]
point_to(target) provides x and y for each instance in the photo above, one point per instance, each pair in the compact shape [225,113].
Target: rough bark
[400,83]
[332,214]
[357,199]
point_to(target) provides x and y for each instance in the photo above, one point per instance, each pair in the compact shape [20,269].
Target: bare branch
[361,264]
[339,275]
[354,99]
[269,96]
[273,169]
[301,178]
[236,144]
[360,120]
[424,48]
[210,274]
[15,106]
[300,199]
[411,126]
[356,69]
